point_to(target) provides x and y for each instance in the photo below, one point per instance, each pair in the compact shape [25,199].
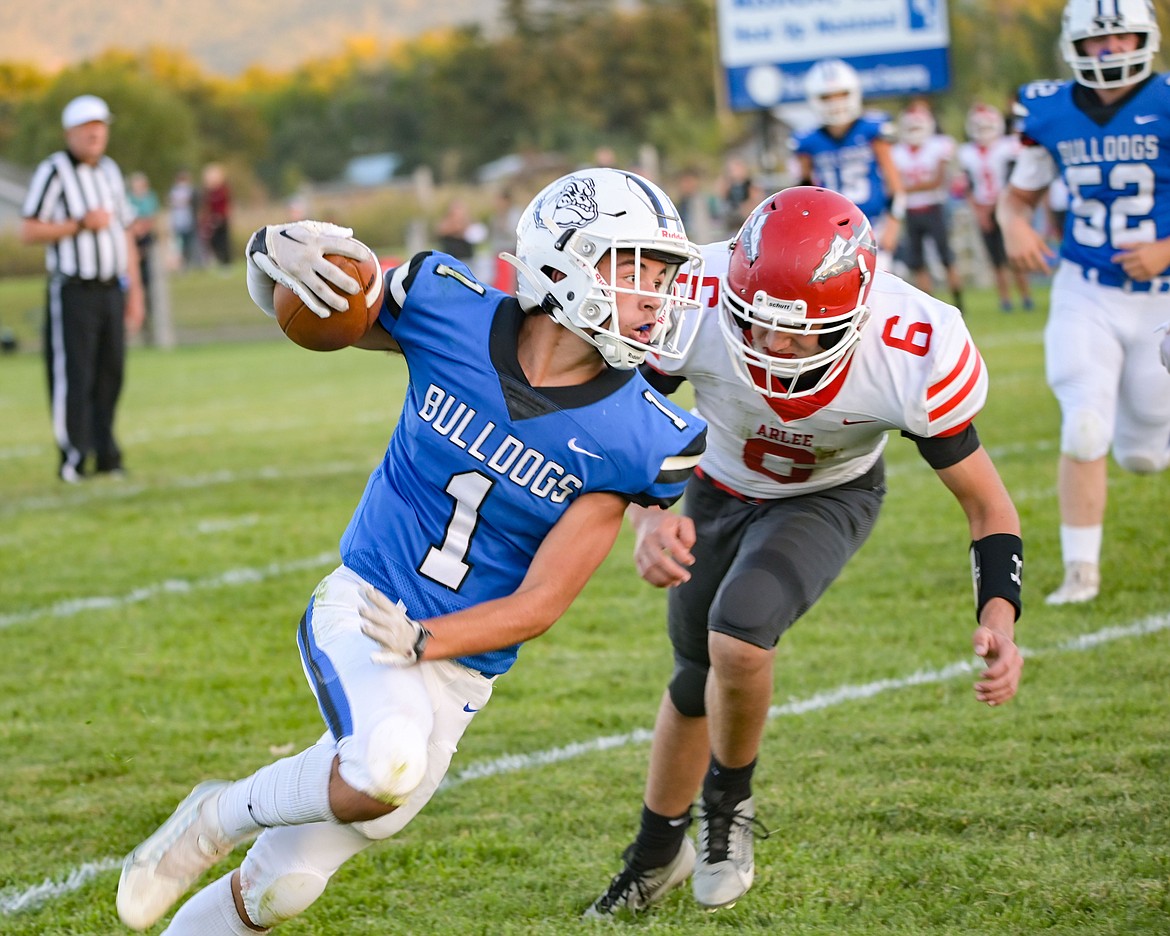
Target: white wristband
[261,288]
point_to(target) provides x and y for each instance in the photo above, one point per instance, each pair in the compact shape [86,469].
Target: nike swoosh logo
[467,707]
[573,446]
[1145,119]
[682,820]
[854,422]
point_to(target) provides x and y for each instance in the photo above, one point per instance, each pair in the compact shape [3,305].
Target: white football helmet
[803,263]
[566,243]
[985,124]
[832,77]
[1087,18]
[915,126]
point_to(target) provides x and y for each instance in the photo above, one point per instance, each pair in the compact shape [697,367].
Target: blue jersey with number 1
[482,464]
[1117,172]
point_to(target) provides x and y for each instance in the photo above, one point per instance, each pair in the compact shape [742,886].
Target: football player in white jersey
[923,157]
[1106,134]
[986,159]
[525,433]
[806,358]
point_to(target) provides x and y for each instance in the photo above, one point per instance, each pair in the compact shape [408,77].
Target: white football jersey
[916,369]
[919,164]
[988,167]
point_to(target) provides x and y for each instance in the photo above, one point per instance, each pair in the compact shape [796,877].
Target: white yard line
[241,576]
[15,900]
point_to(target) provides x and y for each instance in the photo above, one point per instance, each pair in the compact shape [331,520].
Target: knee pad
[396,760]
[288,867]
[1084,436]
[270,902]
[687,689]
[1142,462]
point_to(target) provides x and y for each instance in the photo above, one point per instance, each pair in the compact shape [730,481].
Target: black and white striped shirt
[62,189]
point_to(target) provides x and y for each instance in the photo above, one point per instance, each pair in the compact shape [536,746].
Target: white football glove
[402,639]
[294,256]
[1166,346]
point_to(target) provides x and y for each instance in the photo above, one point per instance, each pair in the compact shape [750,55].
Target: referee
[77,207]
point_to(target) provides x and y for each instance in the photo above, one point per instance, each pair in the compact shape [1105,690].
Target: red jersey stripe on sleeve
[959,397]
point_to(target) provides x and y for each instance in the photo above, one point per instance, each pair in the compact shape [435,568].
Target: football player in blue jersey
[1106,134]
[526,432]
[850,152]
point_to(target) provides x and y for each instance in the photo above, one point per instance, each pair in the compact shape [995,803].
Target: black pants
[85,353]
[759,567]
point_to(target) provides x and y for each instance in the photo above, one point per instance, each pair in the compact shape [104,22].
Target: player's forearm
[1015,205]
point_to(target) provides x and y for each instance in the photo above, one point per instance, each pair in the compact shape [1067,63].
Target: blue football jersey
[848,165]
[1117,171]
[481,464]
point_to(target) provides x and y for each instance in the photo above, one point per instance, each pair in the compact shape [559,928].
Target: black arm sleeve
[665,384]
[943,451]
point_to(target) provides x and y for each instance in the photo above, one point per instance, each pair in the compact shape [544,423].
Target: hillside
[223,36]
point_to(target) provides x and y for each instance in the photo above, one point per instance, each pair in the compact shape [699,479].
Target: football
[341,329]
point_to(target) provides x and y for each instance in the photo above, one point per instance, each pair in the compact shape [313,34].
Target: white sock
[1081,544]
[292,791]
[211,912]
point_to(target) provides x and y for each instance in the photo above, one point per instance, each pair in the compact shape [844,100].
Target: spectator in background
[849,152]
[181,201]
[695,206]
[740,194]
[923,157]
[451,231]
[77,207]
[986,159]
[502,238]
[144,201]
[215,214]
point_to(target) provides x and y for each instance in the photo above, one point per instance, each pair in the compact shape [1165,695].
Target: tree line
[562,75]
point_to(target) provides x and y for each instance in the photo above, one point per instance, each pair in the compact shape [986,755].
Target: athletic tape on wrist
[997,570]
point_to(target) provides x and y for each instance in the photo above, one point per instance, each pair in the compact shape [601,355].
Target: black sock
[658,839]
[958,296]
[731,782]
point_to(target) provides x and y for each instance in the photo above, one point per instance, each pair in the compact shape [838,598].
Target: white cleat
[725,867]
[160,870]
[636,891]
[1082,582]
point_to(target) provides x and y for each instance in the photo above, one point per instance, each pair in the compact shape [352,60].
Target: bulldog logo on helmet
[573,206]
[841,257]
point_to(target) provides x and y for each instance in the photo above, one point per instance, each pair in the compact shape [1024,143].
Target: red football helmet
[803,262]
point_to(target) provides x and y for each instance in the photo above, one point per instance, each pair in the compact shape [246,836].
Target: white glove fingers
[346,247]
[334,274]
[321,301]
[379,600]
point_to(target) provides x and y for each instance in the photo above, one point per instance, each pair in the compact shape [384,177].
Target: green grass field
[147,631]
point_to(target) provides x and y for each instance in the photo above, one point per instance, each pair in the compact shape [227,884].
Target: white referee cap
[82,110]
